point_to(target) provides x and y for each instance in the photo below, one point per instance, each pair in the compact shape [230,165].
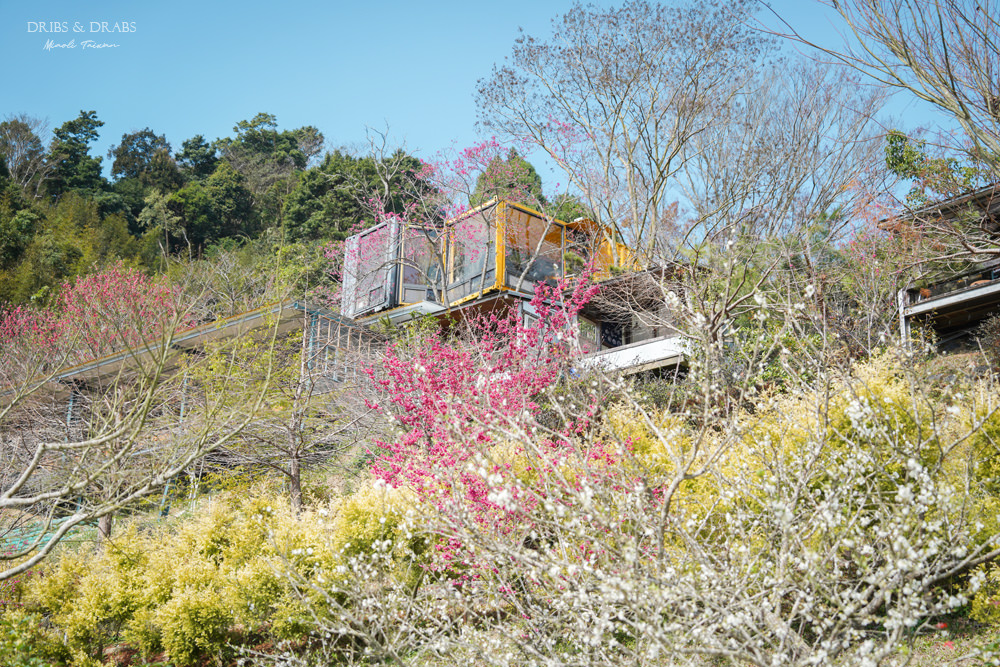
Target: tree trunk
[295,484]
[104,527]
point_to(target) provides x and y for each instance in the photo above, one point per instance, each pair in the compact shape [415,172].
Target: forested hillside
[60,217]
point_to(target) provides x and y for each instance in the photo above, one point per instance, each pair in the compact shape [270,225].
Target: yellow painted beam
[501,246]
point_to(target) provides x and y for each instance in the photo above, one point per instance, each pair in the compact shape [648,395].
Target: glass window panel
[534,249]
[579,250]
[589,336]
[472,248]
[368,263]
[421,259]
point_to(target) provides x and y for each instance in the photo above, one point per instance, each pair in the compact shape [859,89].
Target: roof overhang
[638,357]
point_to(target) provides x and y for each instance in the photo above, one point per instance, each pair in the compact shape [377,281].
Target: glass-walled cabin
[497,247]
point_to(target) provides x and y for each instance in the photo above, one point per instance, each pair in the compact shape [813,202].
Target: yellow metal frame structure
[607,252]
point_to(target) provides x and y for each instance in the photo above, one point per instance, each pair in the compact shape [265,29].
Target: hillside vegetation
[187,480]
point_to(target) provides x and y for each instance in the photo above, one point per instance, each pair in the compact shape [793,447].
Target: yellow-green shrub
[986,602]
[91,597]
[657,439]
[226,572]
[374,513]
[985,445]
[26,642]
[178,589]
[884,417]
[193,622]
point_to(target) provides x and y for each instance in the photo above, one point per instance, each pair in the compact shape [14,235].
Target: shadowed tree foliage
[265,156]
[512,178]
[17,223]
[217,208]
[197,158]
[72,238]
[270,160]
[133,157]
[74,167]
[331,199]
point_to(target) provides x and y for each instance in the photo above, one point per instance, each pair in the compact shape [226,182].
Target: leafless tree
[774,188]
[314,414]
[945,52]
[22,148]
[616,96]
[701,147]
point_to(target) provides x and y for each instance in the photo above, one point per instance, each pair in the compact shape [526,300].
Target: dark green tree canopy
[163,172]
[568,207]
[217,208]
[268,159]
[197,157]
[232,202]
[512,178]
[259,139]
[133,157]
[132,193]
[79,132]
[17,223]
[325,203]
[333,198]
[74,167]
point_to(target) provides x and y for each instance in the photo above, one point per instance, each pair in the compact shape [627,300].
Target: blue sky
[199,66]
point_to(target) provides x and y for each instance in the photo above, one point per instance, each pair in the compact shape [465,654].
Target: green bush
[192,589]
[193,623]
[25,642]
[986,601]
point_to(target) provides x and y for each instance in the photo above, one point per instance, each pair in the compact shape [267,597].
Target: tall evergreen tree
[74,167]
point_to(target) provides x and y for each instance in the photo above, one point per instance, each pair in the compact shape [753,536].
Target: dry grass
[959,644]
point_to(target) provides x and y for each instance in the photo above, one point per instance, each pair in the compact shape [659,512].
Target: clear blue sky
[199,66]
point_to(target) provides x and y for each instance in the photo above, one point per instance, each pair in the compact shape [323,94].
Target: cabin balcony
[396,271]
[954,307]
